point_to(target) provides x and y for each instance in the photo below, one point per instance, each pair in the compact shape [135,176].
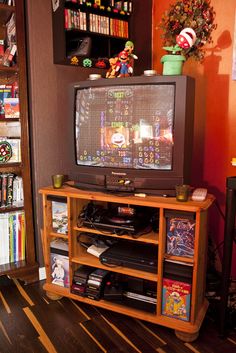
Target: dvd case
[176,299]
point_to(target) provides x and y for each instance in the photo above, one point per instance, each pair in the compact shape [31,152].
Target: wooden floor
[31,323]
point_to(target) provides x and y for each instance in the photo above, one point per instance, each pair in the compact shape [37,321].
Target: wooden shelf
[187,260]
[76,199]
[11,168]
[138,314]
[92,261]
[8,70]
[10,209]
[65,292]
[104,46]
[10,165]
[151,237]
[26,270]
[58,235]
[8,120]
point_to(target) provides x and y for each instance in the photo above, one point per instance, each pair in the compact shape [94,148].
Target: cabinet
[88,33]
[16,217]
[157,239]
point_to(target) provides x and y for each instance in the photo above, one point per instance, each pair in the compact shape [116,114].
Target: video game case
[98,274]
[94,284]
[79,280]
[83,272]
[176,299]
[78,289]
[96,295]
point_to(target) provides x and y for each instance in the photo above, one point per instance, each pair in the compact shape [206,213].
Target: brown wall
[50,121]
[215,111]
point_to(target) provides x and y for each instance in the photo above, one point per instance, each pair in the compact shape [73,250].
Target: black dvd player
[137,255]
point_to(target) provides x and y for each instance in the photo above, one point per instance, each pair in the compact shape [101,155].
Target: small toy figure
[187,38]
[111,73]
[129,48]
[123,68]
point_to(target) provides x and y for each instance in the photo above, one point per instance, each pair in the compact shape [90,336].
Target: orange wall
[215,109]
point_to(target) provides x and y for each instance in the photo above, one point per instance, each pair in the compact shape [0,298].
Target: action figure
[123,68]
[111,73]
[129,48]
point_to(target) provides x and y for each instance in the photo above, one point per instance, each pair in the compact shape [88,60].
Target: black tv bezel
[148,181]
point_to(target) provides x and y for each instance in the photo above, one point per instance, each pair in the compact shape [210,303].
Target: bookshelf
[192,269]
[17,254]
[102,29]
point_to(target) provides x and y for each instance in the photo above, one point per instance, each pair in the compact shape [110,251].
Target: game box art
[176,299]
[180,236]
[59,263]
[59,217]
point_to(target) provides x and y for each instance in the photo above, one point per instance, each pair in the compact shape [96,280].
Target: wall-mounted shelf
[103,30]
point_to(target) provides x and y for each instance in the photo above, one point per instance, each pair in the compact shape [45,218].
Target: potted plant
[187,26]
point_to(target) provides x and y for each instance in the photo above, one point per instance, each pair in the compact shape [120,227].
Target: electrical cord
[216,203]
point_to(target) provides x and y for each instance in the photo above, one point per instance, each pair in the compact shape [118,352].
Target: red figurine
[123,68]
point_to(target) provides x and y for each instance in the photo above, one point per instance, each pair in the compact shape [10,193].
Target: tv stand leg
[53,296]
[186,336]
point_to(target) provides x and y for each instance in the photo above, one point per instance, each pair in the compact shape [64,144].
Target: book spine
[0,190]
[23,236]
[15,237]
[4,190]
[19,235]
[11,240]
[10,178]
[1,239]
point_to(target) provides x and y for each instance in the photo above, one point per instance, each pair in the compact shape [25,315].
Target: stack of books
[13,237]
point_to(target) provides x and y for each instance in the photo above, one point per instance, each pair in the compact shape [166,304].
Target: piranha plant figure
[123,68]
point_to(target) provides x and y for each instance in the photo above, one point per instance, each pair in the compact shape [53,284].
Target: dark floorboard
[32,323]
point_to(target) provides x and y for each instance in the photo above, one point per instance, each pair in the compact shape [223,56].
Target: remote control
[199,194]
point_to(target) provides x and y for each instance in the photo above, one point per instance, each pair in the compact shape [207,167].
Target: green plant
[196,14]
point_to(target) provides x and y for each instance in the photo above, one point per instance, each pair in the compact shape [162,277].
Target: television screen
[133,133]
[126,126]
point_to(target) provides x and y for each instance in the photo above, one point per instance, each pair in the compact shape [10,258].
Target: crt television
[134,134]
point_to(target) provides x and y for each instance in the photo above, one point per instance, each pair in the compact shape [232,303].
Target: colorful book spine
[4,238]
[23,236]
[19,236]
[11,238]
[15,237]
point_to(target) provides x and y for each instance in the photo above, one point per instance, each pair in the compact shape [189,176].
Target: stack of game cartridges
[95,284]
[80,279]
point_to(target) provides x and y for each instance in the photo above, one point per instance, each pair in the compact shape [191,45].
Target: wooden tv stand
[77,199]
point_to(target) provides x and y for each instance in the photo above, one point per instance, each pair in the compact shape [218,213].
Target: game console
[139,256]
[97,250]
[119,220]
